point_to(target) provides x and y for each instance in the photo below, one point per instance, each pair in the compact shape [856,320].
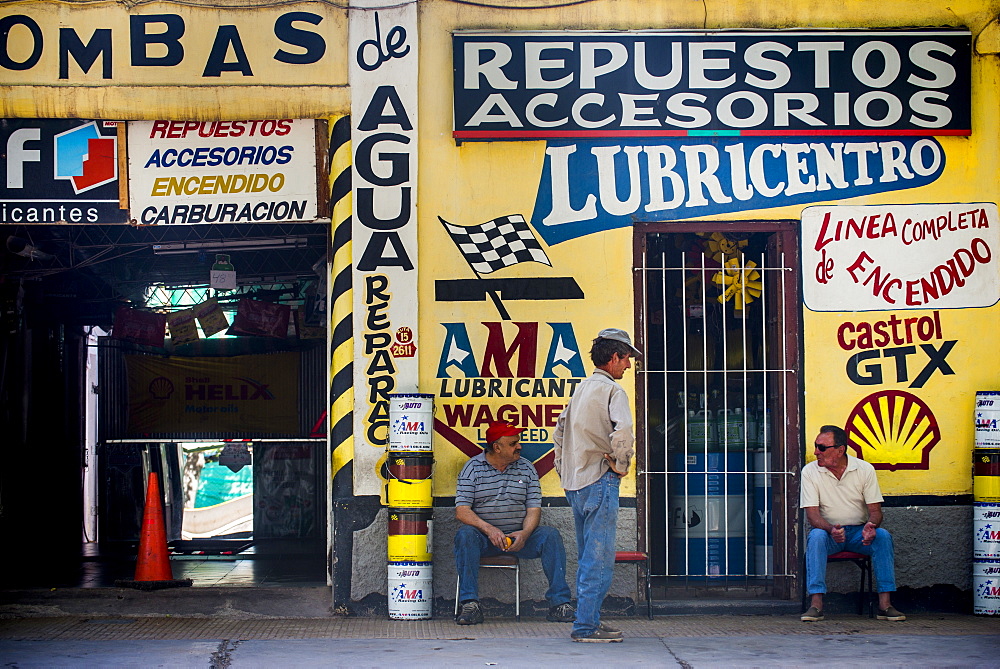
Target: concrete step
[232,602]
[723,607]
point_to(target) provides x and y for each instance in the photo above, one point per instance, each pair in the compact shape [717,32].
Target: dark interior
[58,284]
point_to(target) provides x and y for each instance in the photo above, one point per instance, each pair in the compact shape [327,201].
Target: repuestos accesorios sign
[525,85]
[184,172]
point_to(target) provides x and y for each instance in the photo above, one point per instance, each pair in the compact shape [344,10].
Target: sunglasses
[822,448]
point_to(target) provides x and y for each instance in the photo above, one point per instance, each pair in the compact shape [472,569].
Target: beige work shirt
[598,420]
[841,501]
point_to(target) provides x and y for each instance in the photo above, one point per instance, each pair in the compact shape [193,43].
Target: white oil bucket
[985,531]
[986,587]
[411,422]
[987,415]
[410,590]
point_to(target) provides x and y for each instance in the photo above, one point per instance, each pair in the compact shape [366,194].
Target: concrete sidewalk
[925,640]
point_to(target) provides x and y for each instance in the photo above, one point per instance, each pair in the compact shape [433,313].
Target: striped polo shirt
[500,498]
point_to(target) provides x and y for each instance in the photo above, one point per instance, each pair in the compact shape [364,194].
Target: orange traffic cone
[152,569]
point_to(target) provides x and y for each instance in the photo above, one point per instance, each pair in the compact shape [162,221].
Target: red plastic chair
[641,561]
[864,563]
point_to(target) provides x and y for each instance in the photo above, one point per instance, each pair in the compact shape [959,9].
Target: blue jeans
[820,544]
[544,542]
[595,512]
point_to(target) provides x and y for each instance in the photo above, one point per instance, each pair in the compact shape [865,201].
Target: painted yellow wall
[474,182]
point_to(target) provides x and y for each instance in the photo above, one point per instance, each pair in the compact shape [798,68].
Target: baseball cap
[501,429]
[619,335]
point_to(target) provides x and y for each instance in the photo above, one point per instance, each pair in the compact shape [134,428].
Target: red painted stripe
[456,439]
[852,133]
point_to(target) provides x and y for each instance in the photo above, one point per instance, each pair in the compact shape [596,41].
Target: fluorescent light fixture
[262,244]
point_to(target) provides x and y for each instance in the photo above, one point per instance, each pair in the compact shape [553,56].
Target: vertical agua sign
[383,78]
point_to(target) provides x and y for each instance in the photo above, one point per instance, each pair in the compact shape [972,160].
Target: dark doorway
[718,314]
[58,300]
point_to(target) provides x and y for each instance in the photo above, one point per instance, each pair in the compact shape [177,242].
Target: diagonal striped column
[341,311]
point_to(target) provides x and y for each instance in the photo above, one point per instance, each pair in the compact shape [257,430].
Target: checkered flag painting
[496,244]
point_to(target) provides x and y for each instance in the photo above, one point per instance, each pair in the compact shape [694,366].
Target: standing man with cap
[498,500]
[593,449]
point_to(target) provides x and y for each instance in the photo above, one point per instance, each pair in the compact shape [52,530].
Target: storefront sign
[586,187]
[660,83]
[253,395]
[523,373]
[121,45]
[383,76]
[918,256]
[183,172]
[63,171]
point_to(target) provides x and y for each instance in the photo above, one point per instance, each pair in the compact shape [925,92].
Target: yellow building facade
[792,209]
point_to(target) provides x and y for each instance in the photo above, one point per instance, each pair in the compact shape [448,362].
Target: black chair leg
[862,592]
[871,591]
[649,594]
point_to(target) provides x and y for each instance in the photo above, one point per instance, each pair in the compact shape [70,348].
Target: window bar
[763,438]
[645,394]
[666,413]
[784,408]
[685,479]
[765,434]
[747,459]
[706,412]
[722,431]
[685,409]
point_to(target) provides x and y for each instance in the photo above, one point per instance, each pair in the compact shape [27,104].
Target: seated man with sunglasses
[843,503]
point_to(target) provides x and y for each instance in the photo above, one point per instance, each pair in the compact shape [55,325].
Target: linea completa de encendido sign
[660,83]
[900,256]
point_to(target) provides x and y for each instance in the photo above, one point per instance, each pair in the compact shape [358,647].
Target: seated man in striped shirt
[499,503]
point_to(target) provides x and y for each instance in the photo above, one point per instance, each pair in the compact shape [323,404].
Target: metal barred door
[719,404]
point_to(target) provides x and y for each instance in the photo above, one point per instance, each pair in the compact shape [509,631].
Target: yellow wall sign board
[222,172]
[172,44]
[903,384]
[914,256]
[897,298]
[254,395]
[514,343]
[504,332]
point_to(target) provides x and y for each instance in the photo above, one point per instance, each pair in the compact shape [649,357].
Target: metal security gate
[718,403]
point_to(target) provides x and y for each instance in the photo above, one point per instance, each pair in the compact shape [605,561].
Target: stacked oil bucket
[986,505]
[409,464]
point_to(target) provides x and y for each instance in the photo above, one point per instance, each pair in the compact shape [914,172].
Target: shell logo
[161,388]
[893,429]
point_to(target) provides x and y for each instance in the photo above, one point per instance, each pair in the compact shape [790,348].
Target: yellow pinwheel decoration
[739,283]
[722,248]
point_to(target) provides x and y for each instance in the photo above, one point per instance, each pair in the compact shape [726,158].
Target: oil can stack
[986,505]
[409,466]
